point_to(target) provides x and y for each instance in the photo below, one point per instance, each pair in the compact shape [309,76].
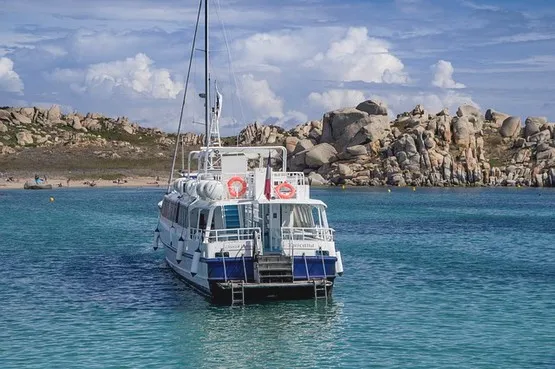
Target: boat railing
[249,185]
[196,234]
[293,178]
[305,234]
[234,234]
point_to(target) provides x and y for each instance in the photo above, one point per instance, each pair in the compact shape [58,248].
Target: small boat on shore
[32,185]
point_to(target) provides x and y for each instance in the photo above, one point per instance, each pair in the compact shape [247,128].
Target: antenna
[215,139]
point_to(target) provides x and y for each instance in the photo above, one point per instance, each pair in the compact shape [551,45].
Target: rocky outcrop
[258,134]
[372,107]
[24,138]
[54,113]
[37,127]
[319,155]
[358,146]
[421,149]
[510,127]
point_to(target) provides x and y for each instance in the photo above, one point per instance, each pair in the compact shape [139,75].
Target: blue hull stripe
[235,270]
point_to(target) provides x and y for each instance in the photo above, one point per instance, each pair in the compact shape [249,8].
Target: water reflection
[289,333]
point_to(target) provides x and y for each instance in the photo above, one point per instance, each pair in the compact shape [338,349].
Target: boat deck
[296,284]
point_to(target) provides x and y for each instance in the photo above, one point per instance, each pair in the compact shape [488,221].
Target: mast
[206,82]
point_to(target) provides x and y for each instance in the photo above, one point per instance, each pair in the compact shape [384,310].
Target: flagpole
[268,181]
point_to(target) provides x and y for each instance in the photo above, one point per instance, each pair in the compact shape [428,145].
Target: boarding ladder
[320,285]
[320,289]
[237,293]
[237,287]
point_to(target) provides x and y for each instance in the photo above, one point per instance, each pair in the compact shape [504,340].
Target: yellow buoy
[414,188]
[51,198]
[342,187]
[389,190]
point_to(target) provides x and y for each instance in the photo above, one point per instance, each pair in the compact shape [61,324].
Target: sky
[281,62]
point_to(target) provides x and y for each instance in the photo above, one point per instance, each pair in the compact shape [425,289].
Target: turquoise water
[436,278]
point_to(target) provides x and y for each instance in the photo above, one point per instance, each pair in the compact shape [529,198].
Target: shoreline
[60,182]
[150,182]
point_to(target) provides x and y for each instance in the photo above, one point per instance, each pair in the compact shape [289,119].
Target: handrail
[232,234]
[196,233]
[306,267]
[244,268]
[303,234]
[323,264]
[293,178]
[223,261]
[262,150]
[292,254]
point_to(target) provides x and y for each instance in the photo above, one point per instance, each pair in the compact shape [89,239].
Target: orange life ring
[232,188]
[289,194]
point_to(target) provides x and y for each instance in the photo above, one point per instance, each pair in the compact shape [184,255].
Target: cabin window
[163,210]
[182,216]
[167,208]
[217,218]
[193,218]
[250,215]
[316,216]
[299,216]
[203,219]
[172,212]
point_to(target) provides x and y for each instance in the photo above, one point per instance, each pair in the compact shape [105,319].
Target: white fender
[156,241]
[338,263]
[180,246]
[195,263]
[172,231]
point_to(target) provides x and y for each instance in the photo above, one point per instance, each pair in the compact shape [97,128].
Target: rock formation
[353,146]
[360,146]
[25,128]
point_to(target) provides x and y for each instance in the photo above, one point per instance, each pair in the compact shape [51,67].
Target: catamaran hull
[210,281]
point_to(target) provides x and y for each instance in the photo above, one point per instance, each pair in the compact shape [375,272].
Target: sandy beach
[17,183]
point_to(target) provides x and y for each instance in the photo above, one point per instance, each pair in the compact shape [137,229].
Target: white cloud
[443,75]
[136,77]
[135,74]
[291,119]
[54,50]
[399,102]
[66,75]
[9,79]
[408,6]
[336,99]
[358,57]
[260,98]
[537,60]
[523,37]
[262,51]
[475,6]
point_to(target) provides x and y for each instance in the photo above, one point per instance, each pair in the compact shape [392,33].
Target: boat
[240,227]
[33,185]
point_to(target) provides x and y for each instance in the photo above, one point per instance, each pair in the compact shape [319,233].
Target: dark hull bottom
[222,296]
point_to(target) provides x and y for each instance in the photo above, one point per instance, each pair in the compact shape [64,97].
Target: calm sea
[436,278]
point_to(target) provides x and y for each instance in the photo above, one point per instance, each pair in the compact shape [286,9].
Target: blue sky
[292,60]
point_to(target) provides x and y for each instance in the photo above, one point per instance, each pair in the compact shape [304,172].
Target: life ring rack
[288,194]
[232,188]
